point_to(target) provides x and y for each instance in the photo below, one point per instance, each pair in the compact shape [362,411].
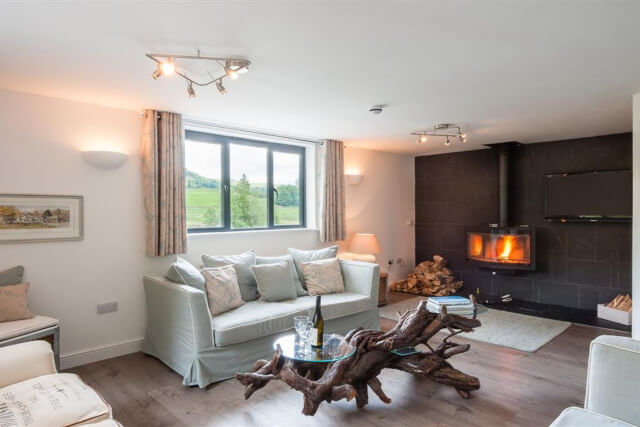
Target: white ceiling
[508,70]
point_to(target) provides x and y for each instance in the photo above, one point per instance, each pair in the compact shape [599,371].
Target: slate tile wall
[578,264]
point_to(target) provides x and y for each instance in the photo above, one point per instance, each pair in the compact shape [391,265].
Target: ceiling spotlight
[447,142]
[157,73]
[168,67]
[221,88]
[190,91]
[232,74]
[423,139]
[464,136]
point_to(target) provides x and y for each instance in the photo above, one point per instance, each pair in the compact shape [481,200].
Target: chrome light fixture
[446,130]
[167,65]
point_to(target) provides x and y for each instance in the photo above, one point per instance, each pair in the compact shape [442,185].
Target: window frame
[224,141]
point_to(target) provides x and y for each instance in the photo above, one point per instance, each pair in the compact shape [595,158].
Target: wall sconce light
[353,178]
[104,159]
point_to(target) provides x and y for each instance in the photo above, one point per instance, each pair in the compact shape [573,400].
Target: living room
[381,155]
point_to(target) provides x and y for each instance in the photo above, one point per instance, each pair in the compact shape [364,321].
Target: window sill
[245,232]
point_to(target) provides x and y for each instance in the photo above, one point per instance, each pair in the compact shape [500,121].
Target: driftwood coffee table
[364,354]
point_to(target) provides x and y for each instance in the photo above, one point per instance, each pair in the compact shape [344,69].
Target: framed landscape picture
[38,218]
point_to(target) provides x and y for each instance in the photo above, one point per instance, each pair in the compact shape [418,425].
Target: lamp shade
[364,243]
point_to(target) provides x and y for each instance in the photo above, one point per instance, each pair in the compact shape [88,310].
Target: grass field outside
[204,209]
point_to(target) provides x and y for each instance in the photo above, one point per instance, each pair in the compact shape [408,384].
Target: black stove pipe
[503,183]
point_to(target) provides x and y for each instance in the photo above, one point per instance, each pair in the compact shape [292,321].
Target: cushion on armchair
[51,400]
[13,303]
[12,276]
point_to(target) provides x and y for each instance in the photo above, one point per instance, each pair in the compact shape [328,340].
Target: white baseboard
[95,354]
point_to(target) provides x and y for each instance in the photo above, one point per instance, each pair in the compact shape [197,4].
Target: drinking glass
[300,324]
[305,331]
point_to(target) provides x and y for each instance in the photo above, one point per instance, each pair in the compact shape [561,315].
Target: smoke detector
[376,109]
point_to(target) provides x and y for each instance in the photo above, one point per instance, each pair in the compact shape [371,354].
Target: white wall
[383,204]
[40,154]
[635,267]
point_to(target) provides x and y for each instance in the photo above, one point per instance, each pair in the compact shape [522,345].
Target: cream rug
[513,330]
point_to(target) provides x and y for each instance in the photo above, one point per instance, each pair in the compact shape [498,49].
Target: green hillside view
[248,203]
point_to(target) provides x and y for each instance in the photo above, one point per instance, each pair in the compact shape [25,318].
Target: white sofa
[613,386]
[33,393]
[203,349]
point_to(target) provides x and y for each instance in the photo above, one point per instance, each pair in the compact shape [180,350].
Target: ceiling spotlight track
[167,65]
[446,130]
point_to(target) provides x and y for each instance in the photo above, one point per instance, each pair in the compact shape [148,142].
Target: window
[239,184]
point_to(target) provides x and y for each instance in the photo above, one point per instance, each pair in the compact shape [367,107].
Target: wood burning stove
[500,246]
[505,248]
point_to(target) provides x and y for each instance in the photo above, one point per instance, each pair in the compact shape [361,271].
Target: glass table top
[335,348]
[407,351]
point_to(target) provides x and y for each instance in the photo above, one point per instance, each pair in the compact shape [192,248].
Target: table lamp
[364,246]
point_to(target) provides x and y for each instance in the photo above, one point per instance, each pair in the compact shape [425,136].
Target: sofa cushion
[51,400]
[323,276]
[578,417]
[274,281]
[300,256]
[182,271]
[22,327]
[253,320]
[223,293]
[242,263]
[11,276]
[260,260]
[334,305]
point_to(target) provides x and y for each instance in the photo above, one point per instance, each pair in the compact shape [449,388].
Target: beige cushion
[51,400]
[323,276]
[26,360]
[17,328]
[13,303]
[223,292]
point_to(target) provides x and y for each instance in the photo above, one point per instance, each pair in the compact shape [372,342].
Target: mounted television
[589,196]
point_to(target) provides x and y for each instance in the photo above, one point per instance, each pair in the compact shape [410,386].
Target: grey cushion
[334,305]
[294,273]
[301,256]
[12,276]
[182,271]
[274,281]
[242,263]
[253,320]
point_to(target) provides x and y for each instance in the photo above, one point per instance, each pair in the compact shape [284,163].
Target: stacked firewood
[621,302]
[429,278]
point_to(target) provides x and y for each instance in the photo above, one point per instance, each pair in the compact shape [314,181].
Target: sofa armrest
[178,321]
[613,378]
[26,360]
[361,277]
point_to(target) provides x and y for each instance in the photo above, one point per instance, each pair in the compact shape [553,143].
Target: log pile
[621,302]
[352,377]
[431,278]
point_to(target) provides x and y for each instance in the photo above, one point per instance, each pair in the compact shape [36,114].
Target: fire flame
[508,242]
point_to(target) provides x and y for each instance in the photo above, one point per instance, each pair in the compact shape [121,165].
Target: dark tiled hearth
[573,315]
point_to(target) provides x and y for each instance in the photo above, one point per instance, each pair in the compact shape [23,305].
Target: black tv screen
[589,196]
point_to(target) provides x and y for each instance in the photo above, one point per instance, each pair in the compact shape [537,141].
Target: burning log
[432,278]
[621,302]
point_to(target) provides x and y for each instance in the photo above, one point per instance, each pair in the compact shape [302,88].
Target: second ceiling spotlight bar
[445,130]
[167,65]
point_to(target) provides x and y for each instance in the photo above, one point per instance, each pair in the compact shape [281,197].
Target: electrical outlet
[107,307]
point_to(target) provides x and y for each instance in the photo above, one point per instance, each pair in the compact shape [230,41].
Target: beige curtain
[163,182]
[330,180]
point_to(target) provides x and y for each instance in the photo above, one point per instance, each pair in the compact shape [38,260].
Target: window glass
[203,164]
[248,173]
[286,183]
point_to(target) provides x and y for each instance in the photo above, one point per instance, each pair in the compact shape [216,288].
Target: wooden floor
[517,389]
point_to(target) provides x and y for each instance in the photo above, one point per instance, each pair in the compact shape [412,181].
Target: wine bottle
[318,326]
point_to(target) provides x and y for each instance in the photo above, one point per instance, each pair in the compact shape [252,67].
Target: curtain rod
[252,132]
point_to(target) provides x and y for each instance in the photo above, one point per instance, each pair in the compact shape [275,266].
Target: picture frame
[26,218]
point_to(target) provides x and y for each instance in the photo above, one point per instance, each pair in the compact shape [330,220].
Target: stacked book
[455,305]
